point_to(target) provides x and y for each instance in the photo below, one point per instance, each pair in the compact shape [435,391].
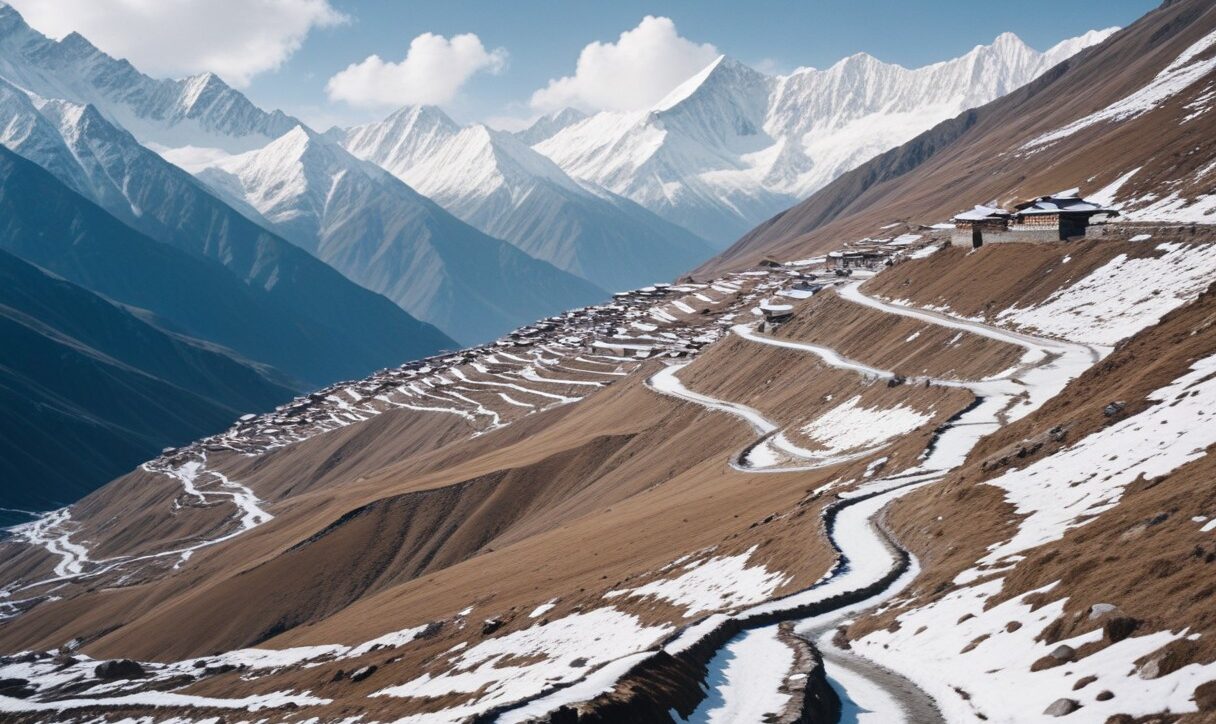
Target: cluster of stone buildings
[1058,217]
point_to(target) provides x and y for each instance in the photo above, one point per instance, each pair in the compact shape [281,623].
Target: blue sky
[284,53]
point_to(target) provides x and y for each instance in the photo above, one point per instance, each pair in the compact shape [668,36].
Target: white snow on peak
[200,111]
[731,146]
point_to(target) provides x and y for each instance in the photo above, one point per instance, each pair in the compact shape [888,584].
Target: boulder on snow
[1062,707]
[1063,652]
[118,669]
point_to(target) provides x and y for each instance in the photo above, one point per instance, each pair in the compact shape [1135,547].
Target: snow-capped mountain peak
[549,124]
[200,111]
[732,146]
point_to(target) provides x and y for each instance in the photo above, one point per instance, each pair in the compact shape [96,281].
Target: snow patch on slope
[1175,78]
[936,647]
[849,426]
[1067,489]
[712,584]
[1121,297]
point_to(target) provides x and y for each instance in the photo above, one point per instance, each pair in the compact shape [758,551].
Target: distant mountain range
[732,146]
[495,182]
[302,317]
[284,259]
[382,234]
[197,112]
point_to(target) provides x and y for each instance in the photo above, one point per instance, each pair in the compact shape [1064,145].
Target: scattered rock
[1083,682]
[1118,628]
[63,661]
[339,675]
[1063,652]
[896,381]
[1058,433]
[1205,696]
[490,625]
[1062,707]
[431,630]
[1169,659]
[218,669]
[1114,408]
[118,669]
[1105,695]
[362,672]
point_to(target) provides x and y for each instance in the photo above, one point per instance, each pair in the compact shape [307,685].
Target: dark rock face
[1119,628]
[118,669]
[362,673]
[490,626]
[15,687]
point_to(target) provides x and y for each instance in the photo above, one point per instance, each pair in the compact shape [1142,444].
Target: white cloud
[635,72]
[236,39]
[432,73]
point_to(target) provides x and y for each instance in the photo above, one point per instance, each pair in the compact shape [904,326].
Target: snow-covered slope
[549,124]
[732,146]
[199,115]
[495,182]
[382,234]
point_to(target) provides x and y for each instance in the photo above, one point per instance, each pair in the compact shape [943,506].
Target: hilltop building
[1057,217]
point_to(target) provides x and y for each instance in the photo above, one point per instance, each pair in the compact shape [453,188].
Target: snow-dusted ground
[568,648]
[1072,486]
[850,425]
[1121,297]
[1176,77]
[712,584]
[933,647]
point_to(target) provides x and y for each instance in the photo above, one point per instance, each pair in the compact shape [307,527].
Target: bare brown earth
[403,520]
[977,157]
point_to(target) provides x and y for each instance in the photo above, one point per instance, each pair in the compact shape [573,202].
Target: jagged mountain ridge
[382,234]
[200,111]
[496,183]
[288,321]
[733,146]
